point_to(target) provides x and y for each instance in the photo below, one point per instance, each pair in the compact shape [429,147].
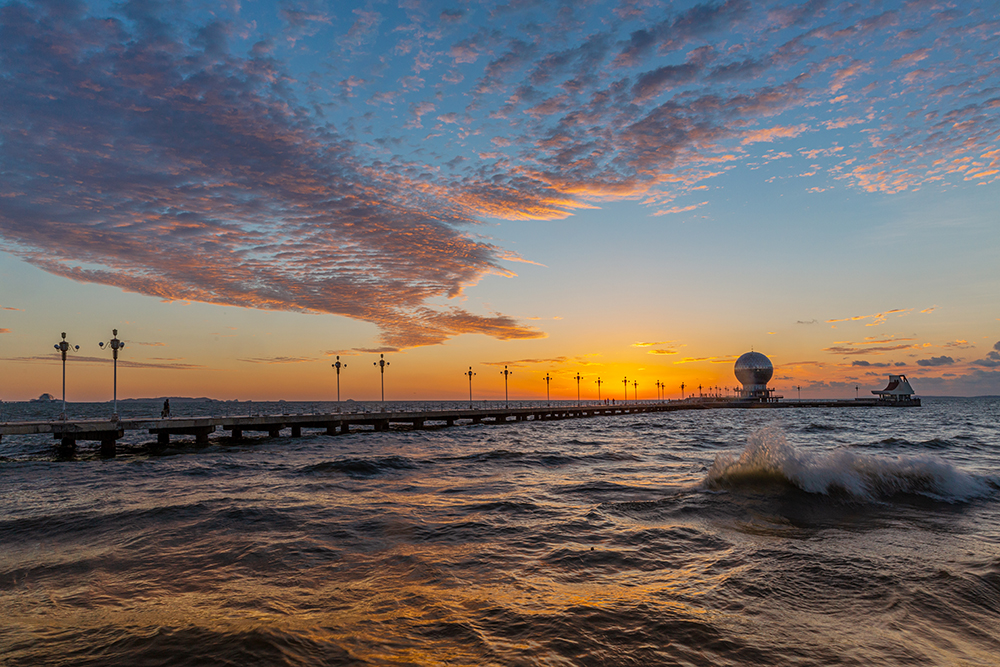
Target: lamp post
[577,378]
[470,374]
[856,392]
[635,391]
[381,363]
[598,382]
[338,366]
[547,380]
[658,385]
[64,347]
[625,382]
[799,389]
[506,397]
[115,345]
[682,390]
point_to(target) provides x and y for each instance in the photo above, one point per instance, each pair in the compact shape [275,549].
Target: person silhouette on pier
[166,408]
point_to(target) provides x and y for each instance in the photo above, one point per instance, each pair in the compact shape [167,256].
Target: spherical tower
[754,371]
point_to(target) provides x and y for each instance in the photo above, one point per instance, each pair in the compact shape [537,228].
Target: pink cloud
[772,133]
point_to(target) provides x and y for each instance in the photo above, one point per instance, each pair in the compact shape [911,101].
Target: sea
[809,536]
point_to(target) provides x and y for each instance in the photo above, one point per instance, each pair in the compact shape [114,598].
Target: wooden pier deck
[108,432]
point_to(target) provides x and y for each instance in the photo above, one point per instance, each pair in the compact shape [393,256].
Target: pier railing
[109,431]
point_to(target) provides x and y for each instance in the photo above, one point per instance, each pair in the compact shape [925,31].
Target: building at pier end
[754,371]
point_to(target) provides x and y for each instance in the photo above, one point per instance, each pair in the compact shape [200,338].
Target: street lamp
[658,385]
[547,380]
[598,382]
[635,391]
[64,347]
[799,388]
[625,382]
[470,374]
[382,363]
[682,390]
[115,345]
[578,378]
[338,366]
[505,373]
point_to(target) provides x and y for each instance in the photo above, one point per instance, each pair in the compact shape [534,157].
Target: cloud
[189,155]
[277,360]
[161,164]
[662,79]
[679,209]
[124,363]
[992,359]
[813,321]
[520,363]
[665,347]
[772,133]
[877,318]
[936,361]
[714,360]
[877,349]
[3,331]
[672,33]
[867,364]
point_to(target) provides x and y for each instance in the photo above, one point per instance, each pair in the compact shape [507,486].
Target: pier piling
[108,432]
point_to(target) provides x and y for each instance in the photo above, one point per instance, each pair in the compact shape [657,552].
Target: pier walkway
[107,431]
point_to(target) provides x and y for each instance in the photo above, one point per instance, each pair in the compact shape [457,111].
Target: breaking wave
[769,460]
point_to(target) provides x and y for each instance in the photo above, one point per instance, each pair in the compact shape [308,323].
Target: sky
[614,191]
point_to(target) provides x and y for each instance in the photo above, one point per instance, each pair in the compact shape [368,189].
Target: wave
[547,459]
[362,467]
[768,460]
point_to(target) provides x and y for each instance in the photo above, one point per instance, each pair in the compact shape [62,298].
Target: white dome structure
[754,370]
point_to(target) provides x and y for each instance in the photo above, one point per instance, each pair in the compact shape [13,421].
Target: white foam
[769,456]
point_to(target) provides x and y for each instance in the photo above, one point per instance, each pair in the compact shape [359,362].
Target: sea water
[813,536]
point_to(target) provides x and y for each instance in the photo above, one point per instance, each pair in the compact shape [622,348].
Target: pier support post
[449,422]
[274,432]
[345,427]
[67,446]
[163,438]
[296,431]
[201,435]
[108,447]
[417,423]
[237,433]
[331,428]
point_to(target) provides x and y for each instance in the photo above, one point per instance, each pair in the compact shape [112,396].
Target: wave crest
[769,460]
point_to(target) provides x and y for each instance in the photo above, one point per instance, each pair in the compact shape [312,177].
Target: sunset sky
[645,189]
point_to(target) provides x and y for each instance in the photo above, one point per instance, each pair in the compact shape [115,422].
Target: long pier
[108,431]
